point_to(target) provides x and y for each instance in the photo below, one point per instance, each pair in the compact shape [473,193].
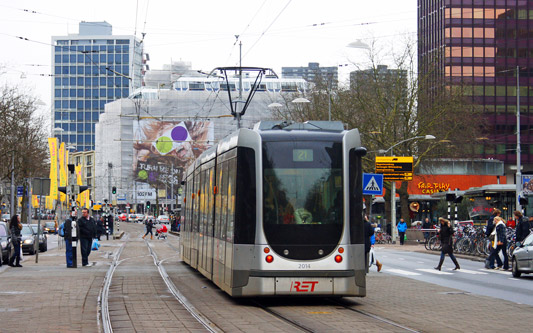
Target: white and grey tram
[277,210]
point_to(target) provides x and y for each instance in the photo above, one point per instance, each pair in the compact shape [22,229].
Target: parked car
[132,217]
[43,239]
[50,228]
[6,217]
[5,241]
[29,238]
[163,219]
[522,259]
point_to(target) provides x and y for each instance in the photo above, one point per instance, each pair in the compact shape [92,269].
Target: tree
[385,105]
[24,137]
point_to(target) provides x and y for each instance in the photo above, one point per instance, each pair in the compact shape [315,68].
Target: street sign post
[395,167]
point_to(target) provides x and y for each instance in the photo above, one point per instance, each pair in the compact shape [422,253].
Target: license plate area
[304,286]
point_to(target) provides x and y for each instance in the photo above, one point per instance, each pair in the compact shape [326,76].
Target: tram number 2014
[304,266]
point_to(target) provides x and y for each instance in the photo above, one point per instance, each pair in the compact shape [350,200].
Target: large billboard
[163,149]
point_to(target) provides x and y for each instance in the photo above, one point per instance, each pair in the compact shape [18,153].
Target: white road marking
[471,272]
[402,272]
[401,258]
[420,262]
[495,271]
[433,271]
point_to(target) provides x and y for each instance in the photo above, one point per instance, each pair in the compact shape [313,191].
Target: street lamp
[393,183]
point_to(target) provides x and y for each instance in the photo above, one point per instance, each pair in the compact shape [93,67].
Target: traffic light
[147,205]
[114,190]
[450,196]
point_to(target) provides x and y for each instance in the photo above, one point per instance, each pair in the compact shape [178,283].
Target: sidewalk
[48,297]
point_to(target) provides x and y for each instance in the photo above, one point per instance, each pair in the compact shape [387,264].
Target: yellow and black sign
[395,167]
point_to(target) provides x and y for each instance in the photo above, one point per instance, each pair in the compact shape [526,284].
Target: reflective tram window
[302,197]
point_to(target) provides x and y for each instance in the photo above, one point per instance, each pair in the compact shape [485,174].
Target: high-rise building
[481,44]
[91,68]
[312,73]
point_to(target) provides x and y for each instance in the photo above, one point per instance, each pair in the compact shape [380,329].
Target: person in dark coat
[426,225]
[149,227]
[489,262]
[87,228]
[368,232]
[446,239]
[522,226]
[100,229]
[15,227]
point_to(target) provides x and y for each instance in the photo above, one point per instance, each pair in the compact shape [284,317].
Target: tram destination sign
[395,167]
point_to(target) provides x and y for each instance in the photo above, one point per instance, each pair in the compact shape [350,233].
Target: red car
[123,217]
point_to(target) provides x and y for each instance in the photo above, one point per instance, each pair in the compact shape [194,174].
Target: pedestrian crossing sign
[372,184]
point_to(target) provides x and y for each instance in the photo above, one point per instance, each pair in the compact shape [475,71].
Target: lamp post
[518,148]
[393,184]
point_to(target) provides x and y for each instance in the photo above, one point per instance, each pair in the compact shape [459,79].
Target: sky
[273,33]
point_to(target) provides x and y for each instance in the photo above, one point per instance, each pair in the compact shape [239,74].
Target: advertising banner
[52,144]
[163,149]
[62,171]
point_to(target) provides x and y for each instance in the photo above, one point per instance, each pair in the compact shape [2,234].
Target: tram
[277,210]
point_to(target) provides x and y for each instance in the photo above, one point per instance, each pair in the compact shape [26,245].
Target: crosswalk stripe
[433,271]
[471,272]
[495,271]
[402,272]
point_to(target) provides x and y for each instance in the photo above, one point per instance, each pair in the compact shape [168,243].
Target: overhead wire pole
[518,148]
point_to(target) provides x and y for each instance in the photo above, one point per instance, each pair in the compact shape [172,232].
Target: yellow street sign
[395,167]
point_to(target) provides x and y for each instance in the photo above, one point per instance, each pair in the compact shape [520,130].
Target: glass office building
[480,43]
[90,69]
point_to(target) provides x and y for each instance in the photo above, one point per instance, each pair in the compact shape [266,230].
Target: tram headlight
[338,258]
[269,258]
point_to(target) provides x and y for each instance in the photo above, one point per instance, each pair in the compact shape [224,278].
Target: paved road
[472,277]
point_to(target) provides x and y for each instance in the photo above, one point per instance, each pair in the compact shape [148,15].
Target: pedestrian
[499,233]
[15,227]
[100,227]
[110,223]
[426,225]
[389,229]
[522,226]
[87,228]
[368,232]
[446,240]
[372,253]
[489,262]
[149,227]
[67,234]
[402,227]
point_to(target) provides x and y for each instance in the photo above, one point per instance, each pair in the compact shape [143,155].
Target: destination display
[395,167]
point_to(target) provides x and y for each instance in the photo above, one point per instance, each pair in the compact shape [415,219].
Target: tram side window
[210,198]
[232,171]
[196,201]
[224,203]
[218,204]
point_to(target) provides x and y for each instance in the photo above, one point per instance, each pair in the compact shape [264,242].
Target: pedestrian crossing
[444,271]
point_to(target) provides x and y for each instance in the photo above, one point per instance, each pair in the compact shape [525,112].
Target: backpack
[61,231]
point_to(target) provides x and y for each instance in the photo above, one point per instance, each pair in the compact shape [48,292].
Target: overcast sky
[274,33]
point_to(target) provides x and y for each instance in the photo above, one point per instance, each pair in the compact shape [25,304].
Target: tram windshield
[302,192]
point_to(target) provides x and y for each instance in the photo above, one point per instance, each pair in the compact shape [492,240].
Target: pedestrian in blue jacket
[402,227]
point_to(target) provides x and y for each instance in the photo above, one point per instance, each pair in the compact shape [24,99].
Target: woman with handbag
[446,239]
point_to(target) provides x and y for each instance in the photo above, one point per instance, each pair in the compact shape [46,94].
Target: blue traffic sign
[372,184]
[20,191]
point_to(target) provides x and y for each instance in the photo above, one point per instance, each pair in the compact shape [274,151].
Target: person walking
[446,240]
[522,226]
[368,233]
[149,227]
[489,262]
[100,229]
[402,227]
[500,243]
[15,227]
[87,228]
[426,225]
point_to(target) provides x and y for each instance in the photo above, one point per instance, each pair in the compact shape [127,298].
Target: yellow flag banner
[34,201]
[62,170]
[81,197]
[49,202]
[52,143]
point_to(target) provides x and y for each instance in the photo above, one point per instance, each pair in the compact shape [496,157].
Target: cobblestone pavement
[48,297]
